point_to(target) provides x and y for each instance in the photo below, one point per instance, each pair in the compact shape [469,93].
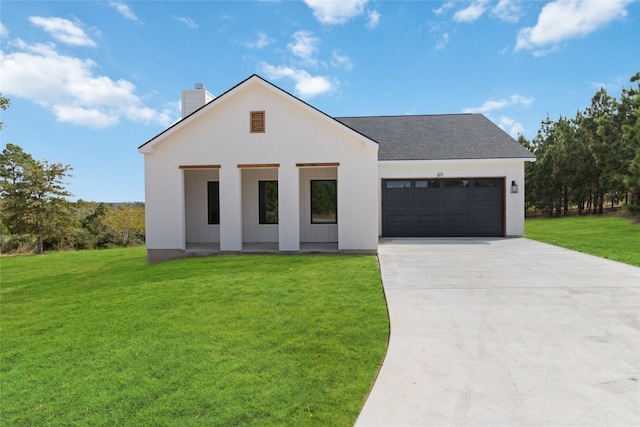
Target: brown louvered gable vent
[257,122]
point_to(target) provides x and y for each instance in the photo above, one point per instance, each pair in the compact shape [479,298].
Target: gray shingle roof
[437,137]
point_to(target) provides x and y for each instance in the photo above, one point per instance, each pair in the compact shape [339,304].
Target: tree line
[36,215]
[589,160]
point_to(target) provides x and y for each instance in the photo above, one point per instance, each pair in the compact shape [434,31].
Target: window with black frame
[213,202]
[268,202]
[324,202]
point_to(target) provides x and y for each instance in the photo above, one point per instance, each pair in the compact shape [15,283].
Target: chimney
[193,99]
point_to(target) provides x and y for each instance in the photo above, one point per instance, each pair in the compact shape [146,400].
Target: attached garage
[447,175]
[471,207]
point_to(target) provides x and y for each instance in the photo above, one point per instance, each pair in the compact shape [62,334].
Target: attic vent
[257,122]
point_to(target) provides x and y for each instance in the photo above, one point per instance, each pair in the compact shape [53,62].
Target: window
[427,183]
[486,183]
[213,202]
[257,122]
[456,183]
[324,202]
[398,184]
[268,202]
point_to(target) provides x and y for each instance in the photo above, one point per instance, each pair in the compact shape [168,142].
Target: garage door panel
[481,202]
[398,219]
[440,208]
[399,210]
[398,196]
[426,226]
[427,210]
[457,224]
[424,232]
[453,198]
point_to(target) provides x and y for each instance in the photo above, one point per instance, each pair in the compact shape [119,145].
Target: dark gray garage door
[470,207]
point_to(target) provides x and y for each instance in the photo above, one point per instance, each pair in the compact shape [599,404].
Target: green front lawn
[101,338]
[610,237]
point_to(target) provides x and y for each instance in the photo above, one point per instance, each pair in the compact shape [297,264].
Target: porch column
[289,207]
[230,208]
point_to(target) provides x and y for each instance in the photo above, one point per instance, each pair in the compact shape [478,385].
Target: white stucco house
[256,167]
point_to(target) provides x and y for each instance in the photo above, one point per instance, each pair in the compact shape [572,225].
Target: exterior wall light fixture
[514,187]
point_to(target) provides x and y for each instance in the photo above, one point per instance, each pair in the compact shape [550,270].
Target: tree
[602,143]
[583,160]
[93,231]
[48,212]
[587,179]
[545,177]
[14,163]
[4,104]
[126,222]
[529,168]
[633,181]
[629,107]
[34,195]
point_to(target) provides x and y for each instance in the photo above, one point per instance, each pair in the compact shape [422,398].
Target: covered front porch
[261,208]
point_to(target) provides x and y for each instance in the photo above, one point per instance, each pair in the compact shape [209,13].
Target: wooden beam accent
[199,166]
[317,165]
[258,165]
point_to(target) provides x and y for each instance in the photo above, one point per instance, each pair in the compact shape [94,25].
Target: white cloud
[306,85]
[261,42]
[565,19]
[504,10]
[304,45]
[492,105]
[443,42]
[510,126]
[471,12]
[374,19]
[336,11]
[91,117]
[444,8]
[68,87]
[63,30]
[341,61]
[124,10]
[4,32]
[507,11]
[188,22]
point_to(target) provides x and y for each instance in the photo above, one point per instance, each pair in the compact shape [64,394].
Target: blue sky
[90,81]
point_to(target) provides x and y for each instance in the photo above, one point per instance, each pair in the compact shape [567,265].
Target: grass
[101,338]
[610,237]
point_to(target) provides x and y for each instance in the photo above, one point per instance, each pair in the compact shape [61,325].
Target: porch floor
[272,247]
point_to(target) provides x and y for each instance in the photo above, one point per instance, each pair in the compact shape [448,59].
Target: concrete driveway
[506,332]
